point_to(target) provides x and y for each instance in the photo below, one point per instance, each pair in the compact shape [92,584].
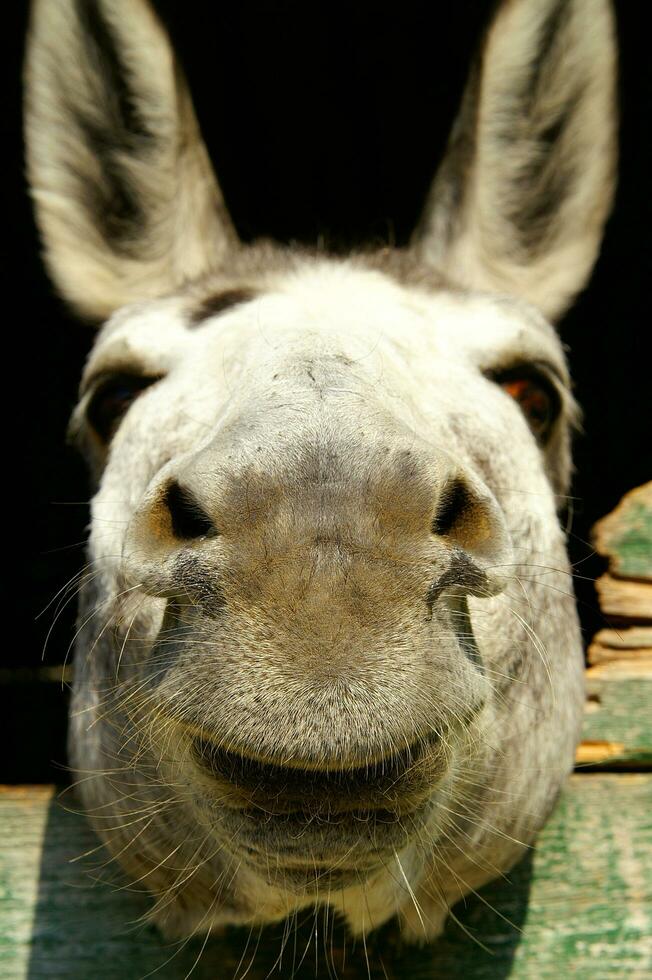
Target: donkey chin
[290,832]
[306,831]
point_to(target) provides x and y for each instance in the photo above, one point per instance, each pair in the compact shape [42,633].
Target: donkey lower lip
[314,877]
[301,847]
[362,863]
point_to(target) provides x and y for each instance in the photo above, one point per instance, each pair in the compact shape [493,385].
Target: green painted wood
[625,535]
[580,905]
[618,720]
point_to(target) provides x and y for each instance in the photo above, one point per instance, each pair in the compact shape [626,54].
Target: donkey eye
[111,400]
[536,398]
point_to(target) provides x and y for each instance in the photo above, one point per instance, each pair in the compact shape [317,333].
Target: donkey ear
[520,200]
[126,200]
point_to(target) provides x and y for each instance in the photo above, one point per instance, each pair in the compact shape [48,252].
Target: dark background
[326,120]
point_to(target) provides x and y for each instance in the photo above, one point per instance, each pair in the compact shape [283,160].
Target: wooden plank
[625,535]
[629,638]
[634,642]
[623,599]
[618,721]
[580,905]
[598,654]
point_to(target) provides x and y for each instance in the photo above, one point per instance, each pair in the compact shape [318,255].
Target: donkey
[327,652]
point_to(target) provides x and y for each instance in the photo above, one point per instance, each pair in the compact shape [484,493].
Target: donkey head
[328,632]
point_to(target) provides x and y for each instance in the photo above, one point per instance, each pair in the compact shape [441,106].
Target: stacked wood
[618,723]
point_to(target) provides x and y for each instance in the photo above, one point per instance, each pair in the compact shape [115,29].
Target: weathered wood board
[625,535]
[580,905]
[625,538]
[618,716]
[632,642]
[618,720]
[624,599]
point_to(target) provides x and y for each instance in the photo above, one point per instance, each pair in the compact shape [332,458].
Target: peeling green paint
[580,904]
[621,712]
[632,543]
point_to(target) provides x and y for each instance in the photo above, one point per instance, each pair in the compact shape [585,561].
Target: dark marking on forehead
[219,302]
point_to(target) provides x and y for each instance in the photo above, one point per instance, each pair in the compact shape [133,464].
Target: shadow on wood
[87,922]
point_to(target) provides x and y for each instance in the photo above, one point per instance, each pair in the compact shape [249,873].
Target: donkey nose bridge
[382,489]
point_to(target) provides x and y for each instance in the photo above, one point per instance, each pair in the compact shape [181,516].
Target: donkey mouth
[309,828]
[387,786]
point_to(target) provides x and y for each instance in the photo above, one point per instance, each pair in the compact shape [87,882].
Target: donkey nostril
[468,517]
[453,509]
[188,519]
